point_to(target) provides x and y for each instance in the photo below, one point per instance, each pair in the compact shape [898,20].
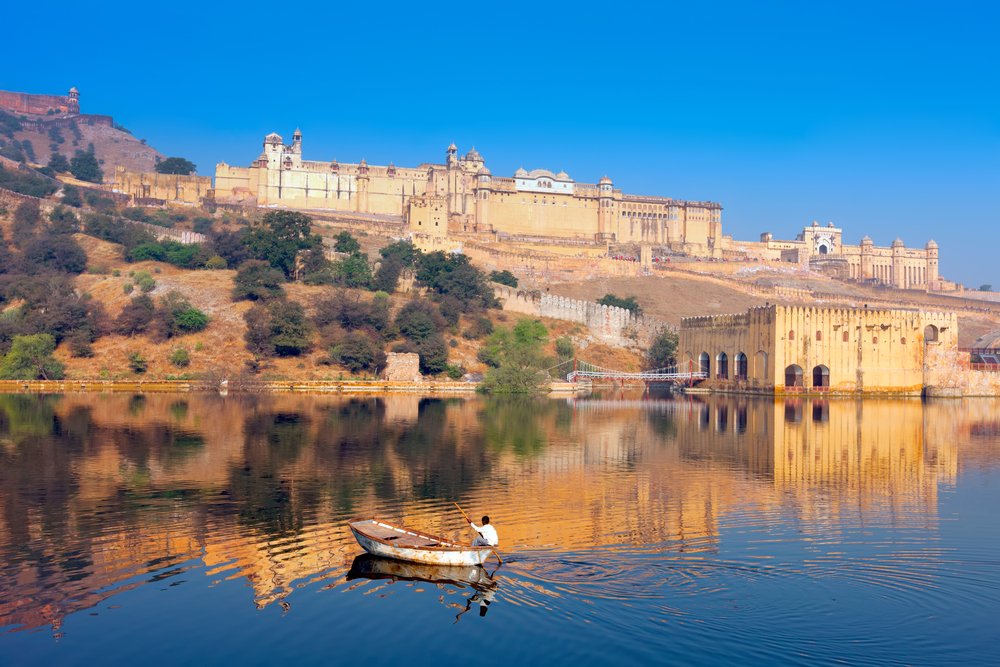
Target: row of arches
[794,374]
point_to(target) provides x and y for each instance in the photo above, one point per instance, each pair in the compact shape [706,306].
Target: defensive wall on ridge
[609,324]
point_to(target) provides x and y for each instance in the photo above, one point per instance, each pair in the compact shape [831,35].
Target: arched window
[846,336]
[741,366]
[791,334]
[930,334]
[722,366]
[821,376]
[819,335]
[793,376]
[703,363]
[761,364]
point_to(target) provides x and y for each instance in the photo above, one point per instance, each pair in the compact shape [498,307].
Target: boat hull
[428,555]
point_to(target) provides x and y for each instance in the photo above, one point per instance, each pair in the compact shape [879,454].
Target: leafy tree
[215,263]
[344,242]
[359,352]
[54,253]
[419,320]
[202,225]
[58,163]
[84,166]
[137,363]
[316,268]
[230,246]
[279,237]
[662,351]
[353,271]
[30,358]
[504,278]
[481,326]
[453,274]
[387,277]
[257,280]
[28,149]
[564,348]
[433,353]
[71,194]
[63,221]
[175,165]
[27,182]
[278,328]
[986,287]
[628,303]
[27,220]
[9,124]
[518,359]
[404,251]
[136,316]
[352,312]
[178,317]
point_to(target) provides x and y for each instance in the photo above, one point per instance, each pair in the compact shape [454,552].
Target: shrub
[454,372]
[136,316]
[353,271]
[180,358]
[481,327]
[277,328]
[144,281]
[257,280]
[504,278]
[215,263]
[564,347]
[128,288]
[344,242]
[358,352]
[137,363]
[628,303]
[56,253]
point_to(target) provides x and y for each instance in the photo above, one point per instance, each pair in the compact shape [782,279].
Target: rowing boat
[383,539]
[367,566]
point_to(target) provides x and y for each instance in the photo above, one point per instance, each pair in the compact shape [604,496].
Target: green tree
[175,165]
[137,362]
[353,271]
[136,316]
[257,280]
[58,163]
[504,278]
[564,348]
[85,167]
[278,328]
[986,287]
[279,237]
[54,253]
[71,195]
[30,358]
[662,351]
[178,317]
[344,242]
[404,251]
[63,221]
[628,303]
[27,220]
[180,358]
[518,358]
[387,277]
[359,352]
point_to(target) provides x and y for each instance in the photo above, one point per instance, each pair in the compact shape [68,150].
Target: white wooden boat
[367,566]
[382,539]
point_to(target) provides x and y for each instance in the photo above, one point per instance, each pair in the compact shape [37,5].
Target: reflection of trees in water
[515,423]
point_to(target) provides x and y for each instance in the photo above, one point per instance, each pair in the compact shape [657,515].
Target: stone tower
[74,100]
[605,219]
[484,189]
[898,276]
[932,263]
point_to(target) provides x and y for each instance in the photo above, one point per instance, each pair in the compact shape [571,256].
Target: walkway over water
[583,370]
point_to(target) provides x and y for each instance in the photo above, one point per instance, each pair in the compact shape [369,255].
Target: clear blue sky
[883,117]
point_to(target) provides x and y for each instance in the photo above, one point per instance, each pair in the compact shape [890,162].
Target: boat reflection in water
[483,584]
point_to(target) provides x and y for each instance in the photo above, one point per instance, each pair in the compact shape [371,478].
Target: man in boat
[487,534]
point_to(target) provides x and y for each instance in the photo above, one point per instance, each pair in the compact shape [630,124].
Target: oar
[495,553]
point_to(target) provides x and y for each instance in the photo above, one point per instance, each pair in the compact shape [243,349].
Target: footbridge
[583,370]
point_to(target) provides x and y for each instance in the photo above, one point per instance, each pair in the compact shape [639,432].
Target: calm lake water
[212,530]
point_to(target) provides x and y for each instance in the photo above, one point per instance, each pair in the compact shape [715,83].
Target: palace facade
[791,349]
[461,194]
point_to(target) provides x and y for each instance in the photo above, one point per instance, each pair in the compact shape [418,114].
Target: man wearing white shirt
[487,534]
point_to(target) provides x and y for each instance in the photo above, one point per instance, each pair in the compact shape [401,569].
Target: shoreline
[261,387]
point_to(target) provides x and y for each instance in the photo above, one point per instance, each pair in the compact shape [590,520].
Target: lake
[201,529]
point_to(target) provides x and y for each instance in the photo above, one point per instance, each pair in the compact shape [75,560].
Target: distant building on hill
[461,194]
[40,105]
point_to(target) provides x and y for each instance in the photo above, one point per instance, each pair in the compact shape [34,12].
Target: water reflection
[484,585]
[99,494]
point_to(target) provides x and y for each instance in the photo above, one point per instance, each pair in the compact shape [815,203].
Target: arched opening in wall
[819,335]
[722,366]
[761,362]
[703,363]
[793,376]
[930,334]
[791,334]
[846,336]
[823,249]
[741,366]
[821,376]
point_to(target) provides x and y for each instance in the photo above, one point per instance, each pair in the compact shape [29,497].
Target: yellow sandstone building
[789,349]
[463,195]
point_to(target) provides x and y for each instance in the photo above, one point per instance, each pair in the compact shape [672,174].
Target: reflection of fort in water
[260,487]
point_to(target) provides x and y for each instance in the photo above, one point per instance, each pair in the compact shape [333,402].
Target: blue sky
[881,117]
